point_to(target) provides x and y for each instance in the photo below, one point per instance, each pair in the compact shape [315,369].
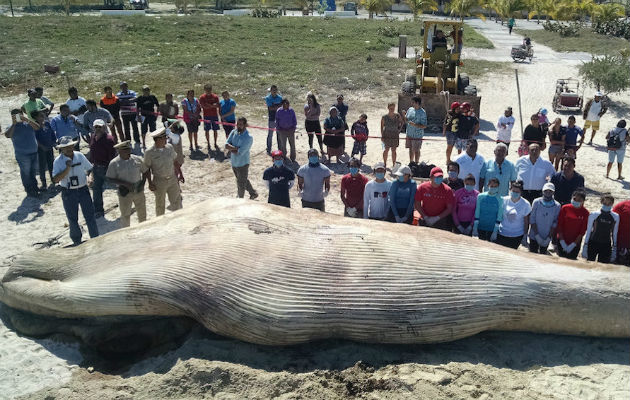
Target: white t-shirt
[505,134]
[534,176]
[594,110]
[375,199]
[469,166]
[75,105]
[514,214]
[80,168]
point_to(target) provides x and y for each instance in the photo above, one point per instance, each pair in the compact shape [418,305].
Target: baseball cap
[454,105]
[437,171]
[403,171]
[379,165]
[99,122]
[549,186]
[146,87]
[276,153]
[598,94]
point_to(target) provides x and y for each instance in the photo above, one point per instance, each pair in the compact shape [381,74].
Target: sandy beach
[492,365]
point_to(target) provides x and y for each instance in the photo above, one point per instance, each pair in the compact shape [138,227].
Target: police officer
[72,171]
[160,163]
[125,170]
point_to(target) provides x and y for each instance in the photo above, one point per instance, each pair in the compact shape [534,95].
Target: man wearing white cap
[72,171]
[160,162]
[101,153]
[125,170]
[543,220]
[593,111]
[401,197]
[375,204]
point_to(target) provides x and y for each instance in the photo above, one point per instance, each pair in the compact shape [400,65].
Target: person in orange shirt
[111,103]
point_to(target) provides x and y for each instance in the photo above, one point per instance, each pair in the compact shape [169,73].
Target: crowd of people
[533,202]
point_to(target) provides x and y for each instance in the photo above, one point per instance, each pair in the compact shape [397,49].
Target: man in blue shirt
[273,101]
[499,168]
[238,145]
[65,124]
[279,179]
[227,112]
[416,123]
[22,134]
[46,141]
[566,181]
[571,145]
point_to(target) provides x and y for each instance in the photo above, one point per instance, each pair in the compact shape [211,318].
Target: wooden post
[402,46]
[520,111]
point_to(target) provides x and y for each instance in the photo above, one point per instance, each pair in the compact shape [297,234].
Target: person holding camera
[125,170]
[72,171]
[22,134]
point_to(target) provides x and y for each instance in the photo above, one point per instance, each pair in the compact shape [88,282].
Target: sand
[492,365]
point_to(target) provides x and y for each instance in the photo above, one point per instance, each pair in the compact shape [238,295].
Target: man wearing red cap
[434,201]
[352,189]
[279,179]
[450,128]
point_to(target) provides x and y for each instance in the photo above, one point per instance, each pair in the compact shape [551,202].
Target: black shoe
[253,196]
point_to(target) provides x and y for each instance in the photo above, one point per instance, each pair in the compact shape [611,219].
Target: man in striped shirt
[128,111]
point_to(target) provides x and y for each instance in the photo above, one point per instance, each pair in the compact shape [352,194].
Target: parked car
[351,6]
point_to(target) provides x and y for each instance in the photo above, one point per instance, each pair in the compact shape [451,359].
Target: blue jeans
[45,158]
[28,164]
[72,198]
[99,172]
[272,128]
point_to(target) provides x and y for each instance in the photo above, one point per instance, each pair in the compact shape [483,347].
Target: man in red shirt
[434,201]
[572,224]
[623,235]
[210,105]
[352,188]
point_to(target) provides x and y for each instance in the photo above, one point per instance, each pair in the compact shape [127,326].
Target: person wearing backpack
[616,141]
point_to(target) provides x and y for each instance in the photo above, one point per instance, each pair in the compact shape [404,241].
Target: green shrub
[619,28]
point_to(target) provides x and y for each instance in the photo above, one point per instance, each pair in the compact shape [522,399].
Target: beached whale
[278,276]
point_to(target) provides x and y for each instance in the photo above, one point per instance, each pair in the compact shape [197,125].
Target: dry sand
[493,365]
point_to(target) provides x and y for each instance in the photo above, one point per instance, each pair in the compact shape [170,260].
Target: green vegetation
[586,41]
[608,73]
[241,54]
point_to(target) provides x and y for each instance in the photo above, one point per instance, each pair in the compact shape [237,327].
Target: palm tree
[417,6]
[507,9]
[463,8]
[608,12]
[541,7]
[376,6]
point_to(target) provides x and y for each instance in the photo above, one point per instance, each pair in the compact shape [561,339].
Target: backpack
[614,141]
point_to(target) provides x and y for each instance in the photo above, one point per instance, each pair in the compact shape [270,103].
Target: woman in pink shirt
[464,206]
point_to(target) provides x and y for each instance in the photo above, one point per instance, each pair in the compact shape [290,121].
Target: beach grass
[244,55]
[587,41]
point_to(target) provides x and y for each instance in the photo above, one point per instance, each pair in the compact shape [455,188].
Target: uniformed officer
[72,171]
[125,170]
[160,162]
[174,133]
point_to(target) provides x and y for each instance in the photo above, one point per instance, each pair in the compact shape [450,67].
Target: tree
[608,12]
[608,73]
[376,6]
[417,6]
[464,8]
[541,7]
[507,9]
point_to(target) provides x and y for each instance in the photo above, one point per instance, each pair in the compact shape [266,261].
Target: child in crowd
[600,241]
[360,132]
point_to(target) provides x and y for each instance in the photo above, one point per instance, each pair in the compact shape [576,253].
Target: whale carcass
[278,276]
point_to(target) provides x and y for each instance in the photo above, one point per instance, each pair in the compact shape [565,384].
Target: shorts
[414,144]
[592,124]
[359,147]
[192,126]
[619,154]
[317,205]
[451,138]
[460,144]
[211,123]
[555,149]
[312,126]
